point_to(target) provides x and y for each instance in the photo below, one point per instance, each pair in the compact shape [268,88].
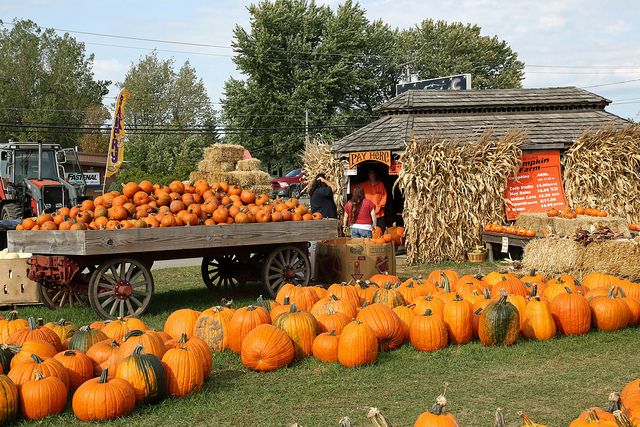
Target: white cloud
[109,69]
[551,22]
[618,27]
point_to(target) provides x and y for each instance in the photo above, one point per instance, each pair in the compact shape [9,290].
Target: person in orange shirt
[374,190]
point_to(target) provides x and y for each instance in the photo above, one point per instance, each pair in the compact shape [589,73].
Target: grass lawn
[552,381]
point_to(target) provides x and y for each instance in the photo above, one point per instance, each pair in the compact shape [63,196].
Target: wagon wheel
[120,287]
[57,295]
[285,264]
[223,272]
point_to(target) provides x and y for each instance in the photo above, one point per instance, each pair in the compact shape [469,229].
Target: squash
[499,323]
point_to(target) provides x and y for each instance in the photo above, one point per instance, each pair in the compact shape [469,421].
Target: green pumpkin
[499,323]
[85,338]
[145,372]
[6,354]
[8,400]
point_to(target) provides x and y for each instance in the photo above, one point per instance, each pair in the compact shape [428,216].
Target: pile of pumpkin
[510,229]
[104,369]
[142,205]
[634,227]
[567,212]
[393,234]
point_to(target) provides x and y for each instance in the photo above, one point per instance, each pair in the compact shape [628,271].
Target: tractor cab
[33,180]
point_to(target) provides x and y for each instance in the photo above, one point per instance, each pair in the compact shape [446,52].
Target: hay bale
[196,175]
[602,169]
[250,178]
[208,165]
[262,189]
[221,177]
[451,189]
[248,165]
[552,256]
[567,227]
[224,153]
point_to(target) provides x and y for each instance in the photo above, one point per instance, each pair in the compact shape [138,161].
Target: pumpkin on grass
[457,315]
[117,329]
[303,296]
[183,370]
[388,296]
[102,353]
[150,340]
[332,321]
[181,321]
[499,323]
[25,371]
[78,365]
[428,332]
[301,327]
[8,400]
[145,373]
[242,322]
[538,322]
[331,302]
[62,328]
[345,291]
[10,325]
[405,314]
[266,348]
[609,313]
[85,337]
[358,345]
[325,347]
[196,346]
[385,324]
[42,396]
[436,416]
[35,332]
[30,347]
[571,313]
[212,327]
[103,398]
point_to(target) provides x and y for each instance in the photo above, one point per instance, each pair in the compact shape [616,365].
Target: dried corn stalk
[318,158]
[451,189]
[602,169]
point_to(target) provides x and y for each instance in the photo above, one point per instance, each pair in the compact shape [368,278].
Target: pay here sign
[538,185]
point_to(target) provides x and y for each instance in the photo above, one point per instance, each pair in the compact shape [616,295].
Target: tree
[298,56]
[440,48]
[301,57]
[169,116]
[46,81]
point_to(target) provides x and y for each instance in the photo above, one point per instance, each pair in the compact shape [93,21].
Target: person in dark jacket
[321,194]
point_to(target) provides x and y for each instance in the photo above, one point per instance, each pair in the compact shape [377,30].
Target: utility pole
[306,126]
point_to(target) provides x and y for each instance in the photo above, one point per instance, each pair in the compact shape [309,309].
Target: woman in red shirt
[360,215]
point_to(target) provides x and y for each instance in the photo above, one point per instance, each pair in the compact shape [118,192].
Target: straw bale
[250,178]
[221,177]
[567,227]
[602,169]
[452,188]
[224,153]
[552,256]
[260,189]
[208,165]
[318,158]
[248,165]
[196,175]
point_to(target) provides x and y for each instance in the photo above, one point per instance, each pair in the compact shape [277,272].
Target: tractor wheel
[11,211]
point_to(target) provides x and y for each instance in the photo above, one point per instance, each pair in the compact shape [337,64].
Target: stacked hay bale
[602,169]
[547,226]
[317,158]
[225,163]
[451,189]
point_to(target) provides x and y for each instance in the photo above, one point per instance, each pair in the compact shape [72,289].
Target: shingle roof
[551,117]
[543,129]
[494,98]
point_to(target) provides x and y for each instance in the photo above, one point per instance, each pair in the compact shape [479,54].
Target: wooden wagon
[111,269]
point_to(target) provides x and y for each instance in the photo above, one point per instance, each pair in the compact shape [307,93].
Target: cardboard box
[15,286]
[345,259]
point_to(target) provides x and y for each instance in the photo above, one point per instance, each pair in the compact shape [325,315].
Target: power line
[612,83]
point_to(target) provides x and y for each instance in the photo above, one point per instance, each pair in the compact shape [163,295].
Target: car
[289,185]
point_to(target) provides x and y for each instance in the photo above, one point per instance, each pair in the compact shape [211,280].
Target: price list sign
[538,186]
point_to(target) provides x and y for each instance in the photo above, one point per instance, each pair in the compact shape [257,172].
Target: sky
[586,43]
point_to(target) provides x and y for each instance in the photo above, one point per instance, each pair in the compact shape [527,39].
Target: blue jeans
[358,232]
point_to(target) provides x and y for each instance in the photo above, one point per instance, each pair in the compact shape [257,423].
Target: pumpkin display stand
[554,256]
[111,269]
[546,226]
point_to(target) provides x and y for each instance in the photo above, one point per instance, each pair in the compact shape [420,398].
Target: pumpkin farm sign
[538,186]
[382,156]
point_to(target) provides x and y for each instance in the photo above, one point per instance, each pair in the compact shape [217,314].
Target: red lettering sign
[538,186]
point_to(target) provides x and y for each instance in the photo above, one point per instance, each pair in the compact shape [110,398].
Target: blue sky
[563,42]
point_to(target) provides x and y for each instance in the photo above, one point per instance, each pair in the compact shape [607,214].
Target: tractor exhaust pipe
[40,160]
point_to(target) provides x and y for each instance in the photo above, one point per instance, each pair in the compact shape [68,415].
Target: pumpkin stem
[104,376]
[32,323]
[499,418]
[251,308]
[294,308]
[13,315]
[614,402]
[331,311]
[621,292]
[286,300]
[69,353]
[138,350]
[40,321]
[332,333]
[62,322]
[526,419]
[36,358]
[487,294]
[86,328]
[427,312]
[388,285]
[592,416]
[183,338]
[441,402]
[611,293]
[566,288]
[39,375]
[332,297]
[534,291]
[134,333]
[457,298]
[410,306]
[478,311]
[622,420]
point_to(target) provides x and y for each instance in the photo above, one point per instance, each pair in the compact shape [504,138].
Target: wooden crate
[15,286]
[107,242]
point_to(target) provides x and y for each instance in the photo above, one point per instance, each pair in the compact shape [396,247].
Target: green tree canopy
[169,118]
[45,79]
[299,56]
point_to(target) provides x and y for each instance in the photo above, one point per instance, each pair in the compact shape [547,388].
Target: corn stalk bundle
[318,158]
[451,189]
[602,169]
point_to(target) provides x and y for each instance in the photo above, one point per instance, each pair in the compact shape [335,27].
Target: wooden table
[490,238]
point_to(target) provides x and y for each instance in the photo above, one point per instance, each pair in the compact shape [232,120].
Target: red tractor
[33,180]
